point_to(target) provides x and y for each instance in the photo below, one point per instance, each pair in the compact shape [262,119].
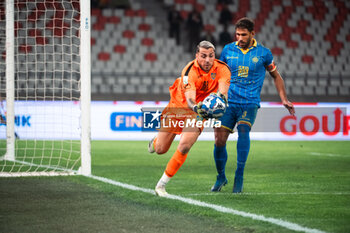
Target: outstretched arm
[190,98]
[223,89]
[281,90]
[196,107]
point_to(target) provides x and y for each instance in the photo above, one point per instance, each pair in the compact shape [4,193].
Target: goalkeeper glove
[222,96]
[198,109]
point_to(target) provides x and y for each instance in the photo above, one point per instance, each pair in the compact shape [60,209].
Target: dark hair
[245,23]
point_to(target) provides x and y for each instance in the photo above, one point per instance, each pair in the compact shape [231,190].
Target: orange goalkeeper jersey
[194,78]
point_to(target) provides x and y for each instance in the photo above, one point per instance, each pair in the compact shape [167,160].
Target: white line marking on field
[259,194]
[327,154]
[222,209]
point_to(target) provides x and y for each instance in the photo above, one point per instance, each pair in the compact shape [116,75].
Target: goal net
[45,94]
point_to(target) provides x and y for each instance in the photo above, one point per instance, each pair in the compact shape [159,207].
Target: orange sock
[175,163]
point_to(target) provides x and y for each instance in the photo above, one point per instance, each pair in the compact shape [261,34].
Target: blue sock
[220,157]
[243,145]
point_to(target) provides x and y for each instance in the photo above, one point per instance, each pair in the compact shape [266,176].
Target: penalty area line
[218,208]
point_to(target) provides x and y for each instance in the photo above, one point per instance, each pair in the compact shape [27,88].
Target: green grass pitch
[306,183]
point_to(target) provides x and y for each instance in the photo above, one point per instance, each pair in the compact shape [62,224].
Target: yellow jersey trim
[245,122]
[245,51]
[225,127]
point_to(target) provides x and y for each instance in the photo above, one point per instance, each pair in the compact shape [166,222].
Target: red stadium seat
[318,10]
[141,13]
[41,40]
[119,49]
[147,42]
[335,29]
[128,34]
[96,12]
[76,5]
[151,57]
[20,5]
[348,37]
[18,25]
[98,27]
[93,41]
[130,13]
[35,15]
[144,27]
[298,28]
[292,44]
[179,2]
[243,8]
[307,37]
[277,51]
[266,8]
[104,56]
[25,48]
[113,19]
[307,59]
[34,32]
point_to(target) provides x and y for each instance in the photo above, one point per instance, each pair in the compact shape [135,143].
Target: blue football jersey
[248,68]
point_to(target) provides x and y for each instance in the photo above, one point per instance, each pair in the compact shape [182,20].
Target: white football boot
[151,146]
[160,191]
[160,187]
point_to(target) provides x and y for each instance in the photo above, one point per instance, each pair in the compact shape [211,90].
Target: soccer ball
[214,106]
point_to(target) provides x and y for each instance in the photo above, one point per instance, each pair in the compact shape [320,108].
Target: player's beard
[245,45]
[206,67]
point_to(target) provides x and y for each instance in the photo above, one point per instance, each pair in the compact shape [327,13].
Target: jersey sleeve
[269,63]
[188,81]
[225,74]
[223,54]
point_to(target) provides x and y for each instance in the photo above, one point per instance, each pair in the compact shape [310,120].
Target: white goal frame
[85,90]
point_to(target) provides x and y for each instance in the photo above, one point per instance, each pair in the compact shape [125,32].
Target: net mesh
[47,85]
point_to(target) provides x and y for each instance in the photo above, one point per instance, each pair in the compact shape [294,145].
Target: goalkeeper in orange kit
[199,78]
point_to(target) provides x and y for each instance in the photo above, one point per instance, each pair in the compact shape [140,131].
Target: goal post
[85,68]
[45,78]
[10,81]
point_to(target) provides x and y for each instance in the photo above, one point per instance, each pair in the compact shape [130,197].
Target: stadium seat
[320,90]
[344,90]
[119,49]
[150,57]
[128,34]
[297,90]
[147,42]
[294,35]
[332,90]
[104,56]
[308,90]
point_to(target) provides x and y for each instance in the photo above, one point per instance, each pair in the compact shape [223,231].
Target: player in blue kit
[248,61]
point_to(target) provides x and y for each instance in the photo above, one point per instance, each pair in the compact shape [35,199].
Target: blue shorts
[239,114]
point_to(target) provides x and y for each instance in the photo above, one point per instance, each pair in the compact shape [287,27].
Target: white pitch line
[222,209]
[327,154]
[260,194]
